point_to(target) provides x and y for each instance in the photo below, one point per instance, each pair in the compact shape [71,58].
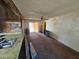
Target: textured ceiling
[49,8]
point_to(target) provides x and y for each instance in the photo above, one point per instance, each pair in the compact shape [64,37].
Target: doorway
[34,26]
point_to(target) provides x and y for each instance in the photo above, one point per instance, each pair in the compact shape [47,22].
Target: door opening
[34,26]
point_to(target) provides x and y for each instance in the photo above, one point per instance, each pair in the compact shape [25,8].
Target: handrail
[27,47]
[30,51]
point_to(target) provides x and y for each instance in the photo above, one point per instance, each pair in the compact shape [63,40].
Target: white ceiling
[49,8]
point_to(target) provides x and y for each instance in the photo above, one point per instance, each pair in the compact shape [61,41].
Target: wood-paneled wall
[8,11]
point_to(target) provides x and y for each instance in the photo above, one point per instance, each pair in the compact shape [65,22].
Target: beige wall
[25,24]
[65,29]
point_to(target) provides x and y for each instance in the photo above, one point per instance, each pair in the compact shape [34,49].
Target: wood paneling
[2,11]
[8,11]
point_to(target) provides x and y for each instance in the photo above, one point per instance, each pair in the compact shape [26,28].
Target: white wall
[65,29]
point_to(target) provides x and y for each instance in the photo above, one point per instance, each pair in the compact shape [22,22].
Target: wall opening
[34,26]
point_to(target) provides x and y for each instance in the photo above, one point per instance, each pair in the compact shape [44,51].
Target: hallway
[57,19]
[48,48]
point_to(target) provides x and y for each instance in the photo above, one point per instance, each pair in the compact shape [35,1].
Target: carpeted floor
[48,48]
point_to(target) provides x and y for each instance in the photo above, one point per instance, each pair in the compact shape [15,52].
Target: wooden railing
[30,51]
